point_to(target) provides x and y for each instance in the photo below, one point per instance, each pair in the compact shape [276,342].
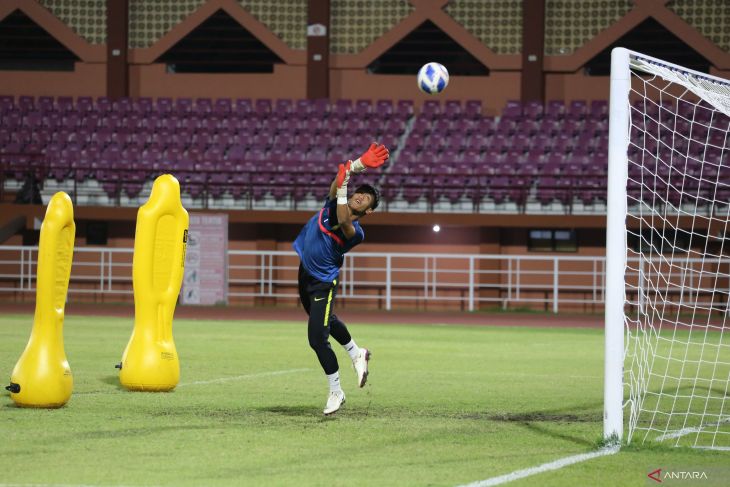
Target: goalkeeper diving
[322,244]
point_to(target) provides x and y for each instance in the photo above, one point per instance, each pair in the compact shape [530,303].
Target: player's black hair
[367,189]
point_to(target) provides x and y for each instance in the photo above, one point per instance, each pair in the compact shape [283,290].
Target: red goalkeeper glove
[374,157]
[343,177]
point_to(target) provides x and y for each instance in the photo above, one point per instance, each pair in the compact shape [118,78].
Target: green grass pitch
[444,406]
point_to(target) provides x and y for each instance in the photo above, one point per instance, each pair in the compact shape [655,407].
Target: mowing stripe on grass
[545,467]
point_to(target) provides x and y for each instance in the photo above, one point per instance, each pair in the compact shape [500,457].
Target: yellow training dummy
[150,361]
[42,377]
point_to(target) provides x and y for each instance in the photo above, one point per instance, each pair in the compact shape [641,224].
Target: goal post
[667,315]
[618,143]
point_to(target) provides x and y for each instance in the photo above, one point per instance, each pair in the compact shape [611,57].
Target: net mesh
[677,356]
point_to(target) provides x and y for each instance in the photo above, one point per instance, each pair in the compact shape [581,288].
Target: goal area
[667,375]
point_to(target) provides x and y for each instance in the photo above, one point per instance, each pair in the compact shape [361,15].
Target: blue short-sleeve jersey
[322,245]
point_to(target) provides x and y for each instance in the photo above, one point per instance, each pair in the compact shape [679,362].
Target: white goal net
[669,176]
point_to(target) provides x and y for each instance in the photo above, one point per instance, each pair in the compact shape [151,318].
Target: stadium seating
[446,154]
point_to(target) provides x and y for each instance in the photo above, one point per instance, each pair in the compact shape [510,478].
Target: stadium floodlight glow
[667,318]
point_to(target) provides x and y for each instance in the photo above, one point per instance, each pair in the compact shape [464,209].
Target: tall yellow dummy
[42,377]
[150,361]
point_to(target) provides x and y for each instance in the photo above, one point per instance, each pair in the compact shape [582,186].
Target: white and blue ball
[433,78]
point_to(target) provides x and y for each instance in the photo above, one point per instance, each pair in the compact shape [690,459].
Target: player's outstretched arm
[335,182]
[374,157]
[344,218]
[333,189]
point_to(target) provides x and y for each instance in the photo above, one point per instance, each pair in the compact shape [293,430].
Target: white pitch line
[211,381]
[246,376]
[56,485]
[716,448]
[687,431]
[545,467]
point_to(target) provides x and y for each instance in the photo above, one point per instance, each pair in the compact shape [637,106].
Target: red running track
[347,315]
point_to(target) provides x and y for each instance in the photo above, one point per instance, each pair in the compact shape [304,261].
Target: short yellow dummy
[42,377]
[150,361]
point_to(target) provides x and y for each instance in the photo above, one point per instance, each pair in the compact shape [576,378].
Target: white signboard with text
[206,260]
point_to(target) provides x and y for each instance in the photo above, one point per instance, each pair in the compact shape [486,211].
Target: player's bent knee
[319,344]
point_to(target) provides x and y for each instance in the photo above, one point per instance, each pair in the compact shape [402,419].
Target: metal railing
[95,270]
[470,281]
[386,278]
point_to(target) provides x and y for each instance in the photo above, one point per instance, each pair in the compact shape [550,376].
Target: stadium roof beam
[214,47]
[427,43]
[653,39]
[28,46]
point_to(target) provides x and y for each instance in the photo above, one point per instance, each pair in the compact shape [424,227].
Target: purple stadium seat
[528,127]
[554,159]
[413,193]
[343,108]
[394,127]
[145,105]
[551,188]
[203,106]
[122,106]
[599,110]
[217,184]
[422,126]
[576,110]
[284,107]
[563,144]
[456,142]
[452,109]
[183,106]
[430,109]
[282,185]
[103,105]
[555,110]
[506,127]
[526,167]
[243,107]
[533,110]
[363,109]
[320,107]
[163,106]
[7,104]
[222,107]
[239,184]
[59,168]
[520,143]
[12,121]
[462,126]
[404,108]
[33,120]
[188,124]
[304,109]
[597,128]
[498,189]
[384,108]
[512,110]
[473,109]
[45,104]
[542,143]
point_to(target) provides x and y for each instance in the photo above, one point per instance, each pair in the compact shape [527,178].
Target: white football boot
[361,366]
[335,400]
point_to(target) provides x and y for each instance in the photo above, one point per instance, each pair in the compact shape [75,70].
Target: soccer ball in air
[432,78]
